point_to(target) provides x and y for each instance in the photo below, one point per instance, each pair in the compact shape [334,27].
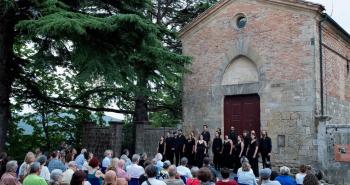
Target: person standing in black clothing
[189,149]
[265,147]
[227,153]
[246,141]
[170,148]
[183,142]
[180,140]
[252,154]
[177,148]
[238,153]
[161,146]
[217,147]
[232,135]
[206,136]
[201,147]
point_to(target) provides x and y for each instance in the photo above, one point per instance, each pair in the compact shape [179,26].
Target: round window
[241,21]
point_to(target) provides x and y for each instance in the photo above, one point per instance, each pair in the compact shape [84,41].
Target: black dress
[189,153]
[237,162]
[200,153]
[253,161]
[161,148]
[226,157]
[217,147]
[246,141]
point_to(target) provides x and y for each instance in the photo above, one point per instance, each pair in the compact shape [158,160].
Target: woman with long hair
[227,153]
[24,168]
[238,153]
[200,148]
[161,146]
[189,149]
[252,154]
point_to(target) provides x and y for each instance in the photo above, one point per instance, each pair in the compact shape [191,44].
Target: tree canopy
[78,56]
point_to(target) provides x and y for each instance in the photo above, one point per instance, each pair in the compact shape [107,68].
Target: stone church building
[275,65]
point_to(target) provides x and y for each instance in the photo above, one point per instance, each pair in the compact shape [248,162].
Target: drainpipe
[324,17]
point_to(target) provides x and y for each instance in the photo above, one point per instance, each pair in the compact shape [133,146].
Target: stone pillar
[116,137]
[87,134]
[139,138]
[322,144]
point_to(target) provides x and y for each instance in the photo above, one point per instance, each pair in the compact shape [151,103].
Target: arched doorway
[241,111]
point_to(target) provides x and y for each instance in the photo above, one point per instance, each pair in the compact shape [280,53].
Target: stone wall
[336,76]
[97,138]
[338,110]
[147,138]
[278,39]
[329,135]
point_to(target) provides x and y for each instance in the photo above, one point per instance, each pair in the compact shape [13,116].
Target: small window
[241,21]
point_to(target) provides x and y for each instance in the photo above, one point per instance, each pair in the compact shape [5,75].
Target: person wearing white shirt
[67,175]
[240,171]
[44,172]
[107,160]
[246,177]
[244,160]
[134,170]
[151,172]
[159,162]
[80,160]
[299,177]
[182,170]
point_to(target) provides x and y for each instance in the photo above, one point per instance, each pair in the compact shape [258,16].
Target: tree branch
[35,92]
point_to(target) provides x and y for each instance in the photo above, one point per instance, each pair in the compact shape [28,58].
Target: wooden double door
[242,112]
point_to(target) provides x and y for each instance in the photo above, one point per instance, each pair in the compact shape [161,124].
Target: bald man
[111,179]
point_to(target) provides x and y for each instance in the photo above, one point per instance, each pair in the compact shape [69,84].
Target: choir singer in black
[265,147]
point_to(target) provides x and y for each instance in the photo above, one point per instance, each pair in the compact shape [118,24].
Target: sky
[339,10]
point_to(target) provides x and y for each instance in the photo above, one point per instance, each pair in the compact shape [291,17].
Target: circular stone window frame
[237,18]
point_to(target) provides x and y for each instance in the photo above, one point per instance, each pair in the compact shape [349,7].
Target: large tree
[117,52]
[9,63]
[118,48]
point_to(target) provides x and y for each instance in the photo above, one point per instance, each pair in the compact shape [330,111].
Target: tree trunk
[7,24]
[141,108]
[45,125]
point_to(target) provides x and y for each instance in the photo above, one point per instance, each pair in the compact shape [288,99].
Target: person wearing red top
[225,173]
[194,180]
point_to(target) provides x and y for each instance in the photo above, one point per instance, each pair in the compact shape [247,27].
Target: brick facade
[282,39]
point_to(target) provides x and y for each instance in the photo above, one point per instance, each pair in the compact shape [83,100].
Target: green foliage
[87,55]
[119,51]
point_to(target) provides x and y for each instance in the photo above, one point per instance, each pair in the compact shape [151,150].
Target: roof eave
[301,4]
[202,16]
[332,22]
